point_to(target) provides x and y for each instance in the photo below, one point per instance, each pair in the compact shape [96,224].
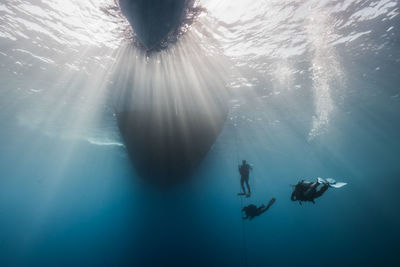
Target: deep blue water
[73,198]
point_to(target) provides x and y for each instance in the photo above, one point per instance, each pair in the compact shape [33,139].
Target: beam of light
[185,79]
[65,54]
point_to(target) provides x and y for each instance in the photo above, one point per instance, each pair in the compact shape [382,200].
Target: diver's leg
[242,184]
[321,191]
[262,209]
[248,186]
[272,201]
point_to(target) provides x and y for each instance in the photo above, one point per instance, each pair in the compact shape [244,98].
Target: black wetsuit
[253,211]
[244,171]
[307,191]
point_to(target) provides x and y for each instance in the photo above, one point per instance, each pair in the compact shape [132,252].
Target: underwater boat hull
[167,148]
[153,20]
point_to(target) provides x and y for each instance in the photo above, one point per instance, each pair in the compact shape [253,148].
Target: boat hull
[153,20]
[167,148]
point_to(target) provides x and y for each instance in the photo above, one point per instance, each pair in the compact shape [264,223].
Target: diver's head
[244,161]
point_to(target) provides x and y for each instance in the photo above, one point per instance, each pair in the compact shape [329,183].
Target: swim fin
[241,194]
[331,182]
[272,201]
[337,185]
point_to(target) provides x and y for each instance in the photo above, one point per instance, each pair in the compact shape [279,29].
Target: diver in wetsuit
[308,191]
[244,171]
[252,210]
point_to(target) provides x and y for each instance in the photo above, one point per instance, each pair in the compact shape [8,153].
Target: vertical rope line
[241,197]
[243,234]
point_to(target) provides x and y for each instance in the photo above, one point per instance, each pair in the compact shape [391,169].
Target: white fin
[337,185]
[330,181]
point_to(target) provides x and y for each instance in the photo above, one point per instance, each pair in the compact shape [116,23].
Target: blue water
[308,99]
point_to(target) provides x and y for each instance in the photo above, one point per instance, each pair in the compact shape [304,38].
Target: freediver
[308,191]
[244,171]
[252,210]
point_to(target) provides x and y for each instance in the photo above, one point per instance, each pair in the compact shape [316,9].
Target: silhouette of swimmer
[252,210]
[244,171]
[308,191]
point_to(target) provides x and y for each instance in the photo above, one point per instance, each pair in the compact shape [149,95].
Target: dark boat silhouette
[167,148]
[166,141]
[153,20]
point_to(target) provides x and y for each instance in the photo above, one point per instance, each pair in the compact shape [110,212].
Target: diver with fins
[244,171]
[308,191]
[252,210]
